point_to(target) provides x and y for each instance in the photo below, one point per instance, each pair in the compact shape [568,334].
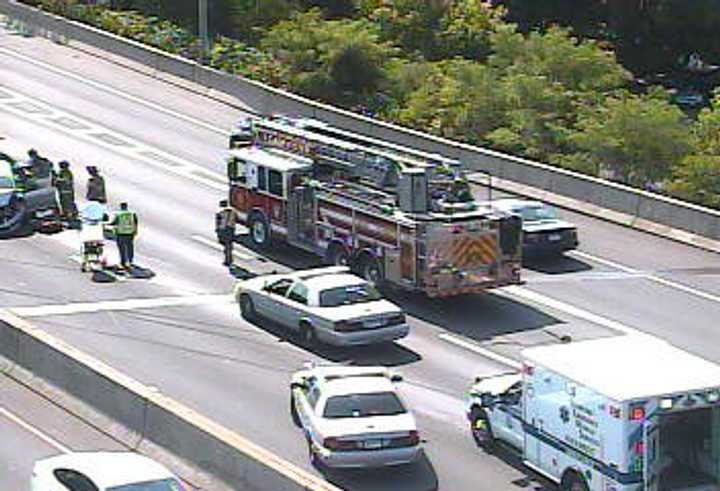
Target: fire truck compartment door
[651,460]
[251,170]
[393,266]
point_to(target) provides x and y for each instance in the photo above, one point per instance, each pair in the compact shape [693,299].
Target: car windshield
[363,405]
[347,295]
[161,485]
[535,213]
[6,182]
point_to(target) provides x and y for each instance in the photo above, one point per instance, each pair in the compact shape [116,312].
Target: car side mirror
[478,380]
[396,378]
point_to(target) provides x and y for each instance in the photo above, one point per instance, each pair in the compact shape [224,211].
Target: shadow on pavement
[418,476]
[556,264]
[530,480]
[387,354]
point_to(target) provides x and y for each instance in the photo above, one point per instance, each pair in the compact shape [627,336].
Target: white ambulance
[626,413]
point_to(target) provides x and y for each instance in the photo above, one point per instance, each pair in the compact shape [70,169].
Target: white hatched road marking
[28,427]
[111,90]
[469,345]
[651,277]
[117,305]
[131,148]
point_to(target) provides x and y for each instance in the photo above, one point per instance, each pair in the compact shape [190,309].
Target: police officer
[225,220]
[64,182]
[95,186]
[126,227]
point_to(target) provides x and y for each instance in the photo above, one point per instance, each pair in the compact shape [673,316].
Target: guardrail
[148,417]
[646,209]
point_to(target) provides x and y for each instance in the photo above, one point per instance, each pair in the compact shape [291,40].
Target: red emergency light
[637,413]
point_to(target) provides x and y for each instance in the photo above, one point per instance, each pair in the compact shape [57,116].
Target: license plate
[554,237]
[373,444]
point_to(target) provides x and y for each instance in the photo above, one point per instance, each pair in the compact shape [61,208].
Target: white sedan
[328,305]
[102,471]
[353,417]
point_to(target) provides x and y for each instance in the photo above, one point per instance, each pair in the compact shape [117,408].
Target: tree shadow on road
[418,476]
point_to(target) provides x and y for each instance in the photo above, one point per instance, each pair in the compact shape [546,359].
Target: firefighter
[64,182]
[225,220]
[95,186]
[125,223]
[460,191]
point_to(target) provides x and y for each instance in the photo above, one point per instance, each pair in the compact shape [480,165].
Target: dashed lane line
[31,429]
[661,281]
[120,305]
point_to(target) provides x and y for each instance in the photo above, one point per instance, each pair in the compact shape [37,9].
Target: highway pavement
[161,149]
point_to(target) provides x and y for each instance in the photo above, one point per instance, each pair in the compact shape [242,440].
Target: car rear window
[534,213]
[347,295]
[360,405]
[161,485]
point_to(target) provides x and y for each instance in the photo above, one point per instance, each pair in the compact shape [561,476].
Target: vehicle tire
[247,308]
[19,219]
[338,256]
[573,482]
[372,271]
[259,230]
[293,412]
[481,429]
[306,335]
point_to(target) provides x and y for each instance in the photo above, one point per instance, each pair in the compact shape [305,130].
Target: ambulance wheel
[573,482]
[481,429]
[259,230]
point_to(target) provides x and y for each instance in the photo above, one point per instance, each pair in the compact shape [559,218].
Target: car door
[307,406]
[297,304]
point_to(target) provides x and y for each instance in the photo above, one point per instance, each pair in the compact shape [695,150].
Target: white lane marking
[651,277]
[28,427]
[531,296]
[218,247]
[480,350]
[119,93]
[133,149]
[116,305]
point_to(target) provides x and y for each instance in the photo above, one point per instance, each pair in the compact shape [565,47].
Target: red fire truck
[395,215]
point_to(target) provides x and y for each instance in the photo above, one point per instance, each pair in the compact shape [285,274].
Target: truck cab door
[651,457]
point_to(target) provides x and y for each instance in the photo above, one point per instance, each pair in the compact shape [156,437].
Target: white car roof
[341,380]
[273,158]
[6,169]
[108,469]
[515,203]
[628,367]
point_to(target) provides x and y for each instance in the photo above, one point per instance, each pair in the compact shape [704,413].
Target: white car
[353,417]
[102,471]
[328,305]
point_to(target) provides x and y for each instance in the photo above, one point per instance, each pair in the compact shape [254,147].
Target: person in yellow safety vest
[64,182]
[225,220]
[126,227]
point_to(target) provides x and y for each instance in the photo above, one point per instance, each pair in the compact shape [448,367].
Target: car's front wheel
[481,429]
[247,308]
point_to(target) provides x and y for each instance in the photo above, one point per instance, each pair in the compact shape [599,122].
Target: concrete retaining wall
[148,417]
[260,98]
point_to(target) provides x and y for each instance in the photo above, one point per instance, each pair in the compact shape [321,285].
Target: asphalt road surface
[161,147]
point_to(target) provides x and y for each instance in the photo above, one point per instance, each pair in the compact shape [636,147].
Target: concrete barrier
[260,98]
[147,417]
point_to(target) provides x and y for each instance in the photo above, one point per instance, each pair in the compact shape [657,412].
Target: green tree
[639,138]
[466,27]
[339,61]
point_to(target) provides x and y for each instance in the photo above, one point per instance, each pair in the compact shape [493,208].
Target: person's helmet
[124,205]
[64,164]
[32,153]
[92,169]
[223,203]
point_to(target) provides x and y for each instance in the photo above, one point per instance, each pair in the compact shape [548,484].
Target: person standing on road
[64,182]
[126,227]
[225,220]
[95,186]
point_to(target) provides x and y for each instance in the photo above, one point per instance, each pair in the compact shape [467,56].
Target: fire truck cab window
[275,183]
[262,178]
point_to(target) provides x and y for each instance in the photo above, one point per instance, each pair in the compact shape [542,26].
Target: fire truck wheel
[573,482]
[338,256]
[372,271]
[259,230]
